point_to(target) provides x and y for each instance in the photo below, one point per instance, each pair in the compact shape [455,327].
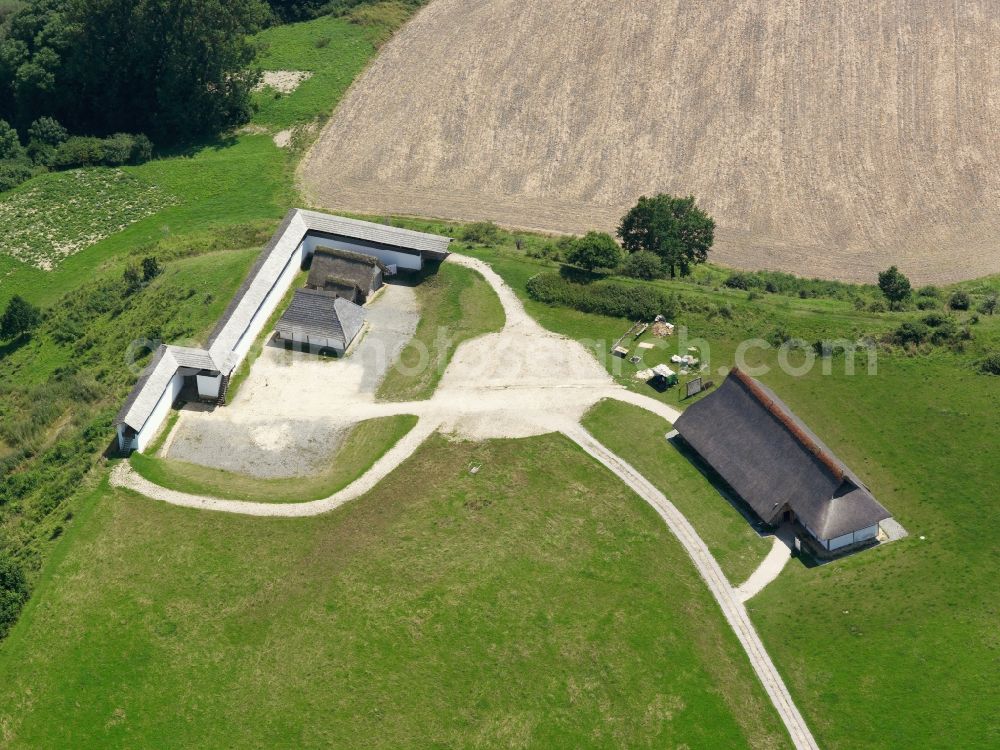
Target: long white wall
[861,535]
[270,304]
[160,411]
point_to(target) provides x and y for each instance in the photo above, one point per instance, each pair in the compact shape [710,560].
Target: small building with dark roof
[778,466]
[344,273]
[320,320]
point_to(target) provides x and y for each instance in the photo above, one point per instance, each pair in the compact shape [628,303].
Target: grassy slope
[638,435]
[456,304]
[537,603]
[333,67]
[364,445]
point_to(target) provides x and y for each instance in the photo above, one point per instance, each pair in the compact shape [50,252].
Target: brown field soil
[828,138]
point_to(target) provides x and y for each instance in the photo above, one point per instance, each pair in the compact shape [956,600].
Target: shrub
[548,251]
[929,291]
[19,318]
[991,364]
[322,42]
[911,332]
[117,149]
[603,297]
[936,319]
[944,332]
[142,149]
[595,250]
[13,173]
[778,336]
[79,151]
[927,303]
[989,305]
[960,300]
[41,153]
[13,592]
[643,265]
[151,268]
[113,151]
[48,131]
[742,281]
[481,232]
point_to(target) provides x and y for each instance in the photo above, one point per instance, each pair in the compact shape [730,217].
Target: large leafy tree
[19,318]
[172,68]
[894,285]
[673,228]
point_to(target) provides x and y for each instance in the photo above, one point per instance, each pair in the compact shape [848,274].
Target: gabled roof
[344,268]
[317,313]
[189,357]
[433,245]
[772,459]
[146,393]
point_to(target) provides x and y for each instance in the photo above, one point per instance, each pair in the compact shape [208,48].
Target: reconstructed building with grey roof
[321,320]
[208,370]
[777,465]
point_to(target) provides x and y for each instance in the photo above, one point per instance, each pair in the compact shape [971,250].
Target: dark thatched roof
[332,268]
[769,456]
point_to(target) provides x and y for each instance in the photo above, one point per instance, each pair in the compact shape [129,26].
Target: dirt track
[829,138]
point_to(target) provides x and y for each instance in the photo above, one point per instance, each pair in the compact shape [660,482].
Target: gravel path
[521,381]
[770,567]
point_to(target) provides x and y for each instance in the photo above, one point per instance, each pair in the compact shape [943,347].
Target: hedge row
[611,298]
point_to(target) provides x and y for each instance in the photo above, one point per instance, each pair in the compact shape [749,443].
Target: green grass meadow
[640,436]
[888,648]
[537,603]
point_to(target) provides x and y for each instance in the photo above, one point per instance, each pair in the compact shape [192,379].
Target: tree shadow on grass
[13,345]
[194,147]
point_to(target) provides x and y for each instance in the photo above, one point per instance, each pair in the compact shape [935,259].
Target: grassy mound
[537,603]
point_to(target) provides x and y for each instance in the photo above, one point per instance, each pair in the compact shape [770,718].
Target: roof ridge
[785,419]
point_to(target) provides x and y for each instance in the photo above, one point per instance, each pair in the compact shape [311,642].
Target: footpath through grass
[537,603]
[456,304]
[638,436]
[362,446]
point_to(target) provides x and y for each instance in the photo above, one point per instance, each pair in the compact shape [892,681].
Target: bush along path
[519,382]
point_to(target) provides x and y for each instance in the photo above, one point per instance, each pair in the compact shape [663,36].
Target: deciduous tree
[21,317]
[595,250]
[894,285]
[673,228]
